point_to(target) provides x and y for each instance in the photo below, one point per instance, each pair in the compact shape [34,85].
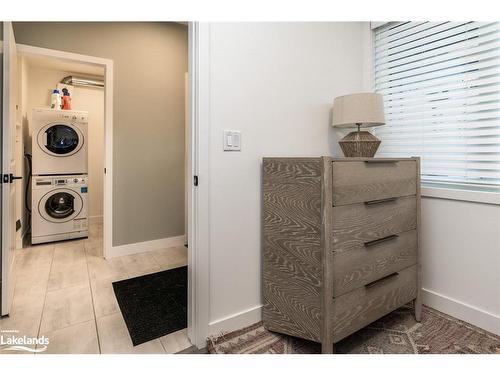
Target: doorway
[63,149]
[52,64]
[107,66]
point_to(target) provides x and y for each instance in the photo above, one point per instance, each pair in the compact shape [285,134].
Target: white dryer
[59,142]
[59,208]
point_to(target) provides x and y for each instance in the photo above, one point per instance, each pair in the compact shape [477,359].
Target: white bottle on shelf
[55,99]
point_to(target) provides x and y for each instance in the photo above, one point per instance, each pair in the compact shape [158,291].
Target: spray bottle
[66,99]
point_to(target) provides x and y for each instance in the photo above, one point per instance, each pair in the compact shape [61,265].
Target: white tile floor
[63,291]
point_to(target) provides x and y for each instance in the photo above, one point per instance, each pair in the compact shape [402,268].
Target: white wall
[21,213]
[149,60]
[275,82]
[92,100]
[40,84]
[461,260]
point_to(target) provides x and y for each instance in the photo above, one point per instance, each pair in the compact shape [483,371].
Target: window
[441,87]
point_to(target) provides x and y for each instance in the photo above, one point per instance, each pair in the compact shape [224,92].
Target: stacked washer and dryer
[59,203]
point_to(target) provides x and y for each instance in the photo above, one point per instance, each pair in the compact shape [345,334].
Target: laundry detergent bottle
[55,99]
[66,100]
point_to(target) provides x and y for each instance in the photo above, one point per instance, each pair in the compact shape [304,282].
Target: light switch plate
[232,140]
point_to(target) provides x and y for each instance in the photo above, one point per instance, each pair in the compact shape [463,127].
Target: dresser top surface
[340,159]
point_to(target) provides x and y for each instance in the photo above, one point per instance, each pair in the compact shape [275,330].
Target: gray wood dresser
[340,244]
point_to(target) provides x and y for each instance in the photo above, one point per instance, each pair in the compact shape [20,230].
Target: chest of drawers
[340,244]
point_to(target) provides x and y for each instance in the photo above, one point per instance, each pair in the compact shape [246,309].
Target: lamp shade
[363,109]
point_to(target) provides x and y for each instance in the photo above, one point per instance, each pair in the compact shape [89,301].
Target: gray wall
[150,60]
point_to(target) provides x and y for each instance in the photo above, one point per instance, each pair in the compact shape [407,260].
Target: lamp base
[359,144]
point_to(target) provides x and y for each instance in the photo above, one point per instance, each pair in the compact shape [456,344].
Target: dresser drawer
[359,223]
[365,261]
[361,181]
[364,305]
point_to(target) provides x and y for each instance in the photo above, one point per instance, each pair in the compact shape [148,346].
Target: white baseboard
[95,219]
[236,321]
[142,247]
[470,314]
[460,310]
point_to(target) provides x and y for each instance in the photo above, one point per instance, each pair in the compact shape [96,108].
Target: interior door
[8,164]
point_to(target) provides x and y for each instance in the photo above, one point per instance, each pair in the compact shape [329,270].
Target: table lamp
[363,110]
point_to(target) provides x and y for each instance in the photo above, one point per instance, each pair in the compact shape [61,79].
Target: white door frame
[198,203]
[7,201]
[108,127]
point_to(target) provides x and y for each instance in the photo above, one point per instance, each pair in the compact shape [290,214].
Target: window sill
[485,197]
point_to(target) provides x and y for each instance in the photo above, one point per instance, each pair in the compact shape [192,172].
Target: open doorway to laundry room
[62,122]
[137,150]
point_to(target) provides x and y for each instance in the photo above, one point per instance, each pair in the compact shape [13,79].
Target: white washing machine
[59,208]
[59,142]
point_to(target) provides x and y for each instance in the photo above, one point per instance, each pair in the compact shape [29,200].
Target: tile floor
[63,291]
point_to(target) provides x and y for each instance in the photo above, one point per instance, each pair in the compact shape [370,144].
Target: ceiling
[64,65]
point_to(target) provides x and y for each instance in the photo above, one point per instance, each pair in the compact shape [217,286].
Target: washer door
[60,205]
[60,139]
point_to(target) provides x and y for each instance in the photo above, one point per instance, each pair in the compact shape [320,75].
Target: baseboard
[142,247]
[95,219]
[236,321]
[460,310]
[470,314]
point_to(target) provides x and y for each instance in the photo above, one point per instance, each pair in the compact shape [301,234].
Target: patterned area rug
[396,333]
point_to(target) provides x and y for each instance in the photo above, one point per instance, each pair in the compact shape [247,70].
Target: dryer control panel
[50,115]
[73,117]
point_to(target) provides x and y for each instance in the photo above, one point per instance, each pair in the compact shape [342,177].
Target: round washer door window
[60,206]
[60,139]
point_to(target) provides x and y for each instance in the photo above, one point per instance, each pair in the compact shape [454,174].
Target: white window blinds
[441,87]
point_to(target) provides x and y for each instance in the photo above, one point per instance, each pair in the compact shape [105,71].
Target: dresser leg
[417,307]
[328,348]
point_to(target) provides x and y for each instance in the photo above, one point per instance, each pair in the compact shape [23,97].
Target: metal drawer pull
[380,240]
[373,283]
[378,201]
[381,161]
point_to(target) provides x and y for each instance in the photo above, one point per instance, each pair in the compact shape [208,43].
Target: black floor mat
[153,305]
